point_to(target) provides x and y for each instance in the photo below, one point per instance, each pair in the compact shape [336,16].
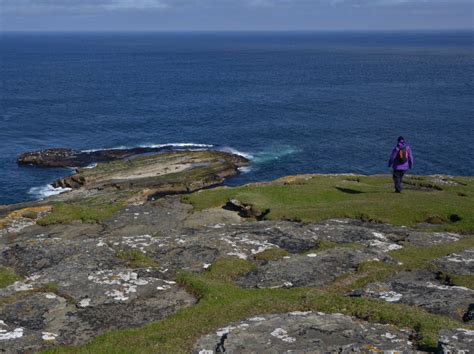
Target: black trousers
[397,180]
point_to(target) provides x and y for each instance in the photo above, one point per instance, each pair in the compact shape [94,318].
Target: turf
[312,198]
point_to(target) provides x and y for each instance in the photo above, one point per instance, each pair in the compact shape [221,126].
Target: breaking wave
[46,191]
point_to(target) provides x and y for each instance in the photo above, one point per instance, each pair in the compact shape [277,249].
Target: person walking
[401,160]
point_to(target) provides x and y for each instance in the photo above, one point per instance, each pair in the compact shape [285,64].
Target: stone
[421,288]
[458,340]
[304,332]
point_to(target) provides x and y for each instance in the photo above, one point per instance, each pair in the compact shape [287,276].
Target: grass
[312,198]
[7,277]
[136,259]
[221,301]
[271,254]
[65,213]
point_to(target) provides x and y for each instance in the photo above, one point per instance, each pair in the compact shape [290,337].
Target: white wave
[245,169]
[46,191]
[155,146]
[236,152]
[92,165]
[178,145]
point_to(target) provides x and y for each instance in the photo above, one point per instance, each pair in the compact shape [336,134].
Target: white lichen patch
[389,335]
[446,287]
[221,331]
[48,336]
[312,255]
[206,265]
[379,235]
[50,296]
[300,313]
[256,319]
[119,284]
[15,334]
[390,296]
[282,334]
[383,246]
[20,286]
[84,302]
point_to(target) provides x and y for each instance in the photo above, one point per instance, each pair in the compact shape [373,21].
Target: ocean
[293,102]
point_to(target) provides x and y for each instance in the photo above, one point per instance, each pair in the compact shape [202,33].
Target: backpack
[402,155]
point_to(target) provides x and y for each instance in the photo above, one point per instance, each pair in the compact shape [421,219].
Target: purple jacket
[397,165]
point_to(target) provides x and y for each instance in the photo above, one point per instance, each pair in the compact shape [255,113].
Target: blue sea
[295,102]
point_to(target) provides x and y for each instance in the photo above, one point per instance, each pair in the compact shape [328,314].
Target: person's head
[400,139]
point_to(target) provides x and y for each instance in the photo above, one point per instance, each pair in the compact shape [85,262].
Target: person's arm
[410,158]
[392,157]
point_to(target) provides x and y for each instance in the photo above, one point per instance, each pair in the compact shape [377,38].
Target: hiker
[401,160]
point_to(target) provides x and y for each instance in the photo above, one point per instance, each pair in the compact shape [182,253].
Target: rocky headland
[141,255]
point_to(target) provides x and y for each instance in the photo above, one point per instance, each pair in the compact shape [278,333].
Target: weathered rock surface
[422,289]
[313,269]
[456,341]
[153,176]
[457,263]
[77,286]
[61,157]
[305,332]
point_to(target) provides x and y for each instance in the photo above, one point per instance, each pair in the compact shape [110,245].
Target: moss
[64,213]
[136,259]
[271,254]
[7,277]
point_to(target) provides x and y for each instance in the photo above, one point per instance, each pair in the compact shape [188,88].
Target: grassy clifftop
[444,203]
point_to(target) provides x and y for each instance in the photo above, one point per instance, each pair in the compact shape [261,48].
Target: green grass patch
[136,259]
[30,214]
[221,302]
[271,254]
[322,245]
[64,213]
[413,257]
[7,277]
[370,198]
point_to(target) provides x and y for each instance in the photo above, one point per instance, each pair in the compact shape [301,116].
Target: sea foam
[46,191]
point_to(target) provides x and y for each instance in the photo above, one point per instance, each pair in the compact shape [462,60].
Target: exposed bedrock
[305,332]
[80,280]
[63,157]
[422,288]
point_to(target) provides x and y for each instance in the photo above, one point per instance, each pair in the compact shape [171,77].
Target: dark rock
[61,157]
[461,263]
[458,340]
[313,269]
[422,289]
[305,332]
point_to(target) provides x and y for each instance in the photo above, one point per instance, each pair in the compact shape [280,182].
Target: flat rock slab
[304,332]
[461,263]
[421,288]
[313,269]
[458,340]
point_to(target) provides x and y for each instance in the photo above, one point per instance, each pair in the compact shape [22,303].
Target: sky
[234,15]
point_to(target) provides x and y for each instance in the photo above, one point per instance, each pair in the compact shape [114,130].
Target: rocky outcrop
[458,340]
[305,332]
[422,289]
[158,174]
[62,157]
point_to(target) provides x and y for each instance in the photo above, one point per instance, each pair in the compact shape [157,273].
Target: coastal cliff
[142,254]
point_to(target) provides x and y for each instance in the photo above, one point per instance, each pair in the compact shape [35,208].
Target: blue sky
[184,15]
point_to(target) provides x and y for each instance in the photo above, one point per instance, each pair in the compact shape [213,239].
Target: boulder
[304,332]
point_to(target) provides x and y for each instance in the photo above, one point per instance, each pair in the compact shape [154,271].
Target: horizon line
[2,31]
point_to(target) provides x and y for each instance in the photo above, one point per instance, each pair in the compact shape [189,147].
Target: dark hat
[401,138]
